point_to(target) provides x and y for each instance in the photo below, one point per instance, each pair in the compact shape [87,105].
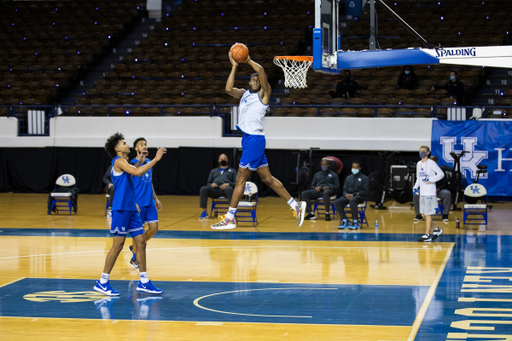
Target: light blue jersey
[143,186]
[125,193]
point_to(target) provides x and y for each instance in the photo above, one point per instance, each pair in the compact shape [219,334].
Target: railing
[34,119]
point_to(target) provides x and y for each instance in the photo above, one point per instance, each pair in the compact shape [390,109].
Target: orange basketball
[240,52]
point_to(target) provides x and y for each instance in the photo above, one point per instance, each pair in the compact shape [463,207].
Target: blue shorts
[253,152]
[149,214]
[124,222]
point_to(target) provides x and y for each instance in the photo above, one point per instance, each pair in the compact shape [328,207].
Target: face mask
[407,72]
[452,78]
[223,163]
[324,168]
[355,171]
[423,154]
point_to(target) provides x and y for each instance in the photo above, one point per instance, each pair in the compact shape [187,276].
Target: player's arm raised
[230,90]
[265,87]
[122,164]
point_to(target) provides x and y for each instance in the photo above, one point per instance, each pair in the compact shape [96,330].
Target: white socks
[144,277]
[292,203]
[231,213]
[104,278]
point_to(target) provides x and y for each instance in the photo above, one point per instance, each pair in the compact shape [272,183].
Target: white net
[295,71]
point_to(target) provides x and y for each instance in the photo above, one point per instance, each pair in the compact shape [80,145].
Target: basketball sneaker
[106,289]
[133,263]
[425,238]
[437,231]
[310,216]
[203,215]
[299,212]
[418,218]
[224,223]
[355,225]
[148,288]
[345,224]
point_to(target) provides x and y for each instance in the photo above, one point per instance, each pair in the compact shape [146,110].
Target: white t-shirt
[251,113]
[427,170]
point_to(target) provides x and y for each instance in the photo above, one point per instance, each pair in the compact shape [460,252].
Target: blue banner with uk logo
[488,143]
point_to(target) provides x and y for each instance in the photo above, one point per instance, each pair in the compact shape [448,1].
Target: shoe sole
[149,291]
[227,227]
[302,212]
[104,292]
[438,234]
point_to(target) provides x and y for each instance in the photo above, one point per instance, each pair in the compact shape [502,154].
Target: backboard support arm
[400,20]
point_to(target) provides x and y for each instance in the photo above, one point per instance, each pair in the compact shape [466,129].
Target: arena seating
[48,46]
[181,67]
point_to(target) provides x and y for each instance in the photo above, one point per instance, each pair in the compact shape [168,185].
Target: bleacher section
[181,67]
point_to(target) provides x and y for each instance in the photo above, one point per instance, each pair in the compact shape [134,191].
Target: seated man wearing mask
[325,184]
[355,189]
[220,184]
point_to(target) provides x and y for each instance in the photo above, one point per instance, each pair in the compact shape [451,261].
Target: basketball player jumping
[253,105]
[125,217]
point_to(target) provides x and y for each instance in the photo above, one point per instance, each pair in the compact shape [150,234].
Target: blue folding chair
[361,209]
[220,205]
[246,210]
[319,207]
[474,213]
[62,198]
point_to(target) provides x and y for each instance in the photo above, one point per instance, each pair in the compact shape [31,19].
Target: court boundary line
[220,247]
[430,294]
[176,321]
[12,282]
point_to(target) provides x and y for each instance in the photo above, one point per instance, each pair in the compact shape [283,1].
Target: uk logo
[66,179]
[469,161]
[475,189]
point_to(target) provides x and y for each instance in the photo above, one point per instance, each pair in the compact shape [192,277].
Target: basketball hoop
[295,70]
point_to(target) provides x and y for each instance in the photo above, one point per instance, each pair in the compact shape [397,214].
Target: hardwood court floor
[271,282]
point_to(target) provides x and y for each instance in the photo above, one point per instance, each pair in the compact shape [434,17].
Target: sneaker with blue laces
[106,289]
[344,225]
[203,215]
[355,225]
[148,288]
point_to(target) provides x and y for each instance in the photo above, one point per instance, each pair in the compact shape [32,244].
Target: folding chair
[319,207]
[246,210]
[220,205]
[63,197]
[474,213]
[361,209]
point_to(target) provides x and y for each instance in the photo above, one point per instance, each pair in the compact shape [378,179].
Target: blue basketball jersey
[125,194]
[143,186]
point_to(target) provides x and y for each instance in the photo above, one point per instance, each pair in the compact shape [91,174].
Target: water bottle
[457,224]
[376,223]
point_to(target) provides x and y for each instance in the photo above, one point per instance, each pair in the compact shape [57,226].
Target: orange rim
[296,58]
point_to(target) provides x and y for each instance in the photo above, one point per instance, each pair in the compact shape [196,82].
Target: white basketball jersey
[251,113]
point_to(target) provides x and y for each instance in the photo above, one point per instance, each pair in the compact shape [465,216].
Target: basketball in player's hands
[240,52]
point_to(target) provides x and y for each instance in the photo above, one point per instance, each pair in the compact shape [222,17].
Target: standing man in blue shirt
[125,217]
[145,195]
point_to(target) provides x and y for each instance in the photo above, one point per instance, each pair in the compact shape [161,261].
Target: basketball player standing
[253,105]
